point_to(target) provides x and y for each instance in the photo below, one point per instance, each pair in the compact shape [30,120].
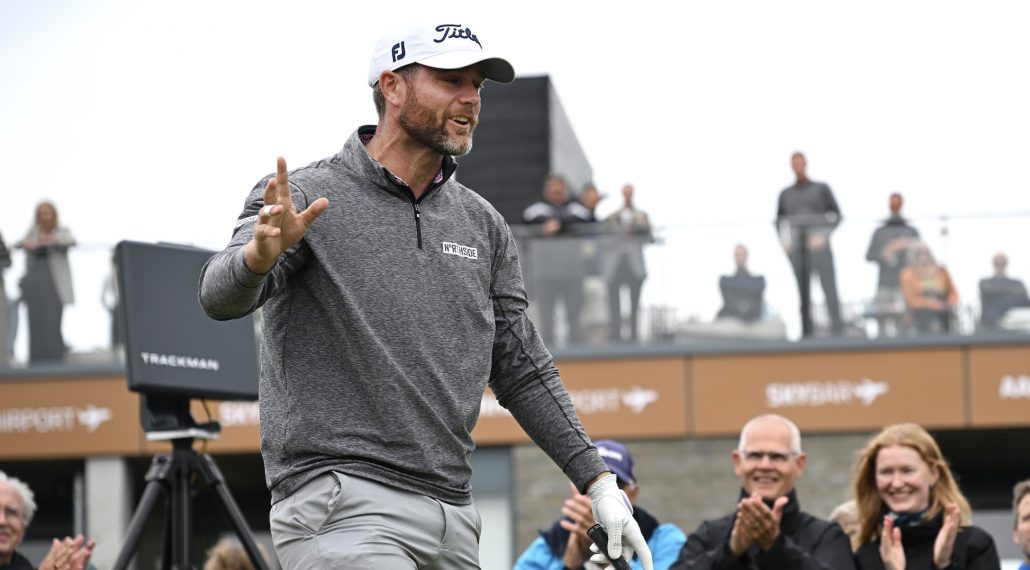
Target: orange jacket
[912,287]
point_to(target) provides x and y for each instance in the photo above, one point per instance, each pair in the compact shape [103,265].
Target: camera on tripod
[175,353]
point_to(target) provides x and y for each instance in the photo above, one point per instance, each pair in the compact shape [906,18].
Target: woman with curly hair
[911,512]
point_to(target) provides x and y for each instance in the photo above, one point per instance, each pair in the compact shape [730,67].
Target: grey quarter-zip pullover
[383,327]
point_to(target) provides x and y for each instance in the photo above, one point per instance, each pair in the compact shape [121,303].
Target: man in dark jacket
[806,215]
[889,249]
[559,266]
[999,293]
[768,530]
[741,292]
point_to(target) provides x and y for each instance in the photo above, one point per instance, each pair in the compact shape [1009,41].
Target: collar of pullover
[356,146]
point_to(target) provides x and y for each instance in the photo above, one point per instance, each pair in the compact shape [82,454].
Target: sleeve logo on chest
[460,250]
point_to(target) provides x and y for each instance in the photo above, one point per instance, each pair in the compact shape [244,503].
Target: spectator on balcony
[5,262]
[625,265]
[557,211]
[47,285]
[595,316]
[889,250]
[1000,293]
[806,215]
[589,198]
[930,295]
[564,266]
[742,292]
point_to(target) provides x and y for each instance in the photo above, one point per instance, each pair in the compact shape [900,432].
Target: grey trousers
[339,521]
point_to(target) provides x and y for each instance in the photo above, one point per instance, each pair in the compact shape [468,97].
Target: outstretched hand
[279,226]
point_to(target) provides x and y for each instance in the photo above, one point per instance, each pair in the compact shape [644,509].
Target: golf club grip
[600,538]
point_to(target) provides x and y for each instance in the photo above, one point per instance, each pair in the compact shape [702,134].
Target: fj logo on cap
[398,51]
[456,31]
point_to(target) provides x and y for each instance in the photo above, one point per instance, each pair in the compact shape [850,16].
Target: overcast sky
[151,120]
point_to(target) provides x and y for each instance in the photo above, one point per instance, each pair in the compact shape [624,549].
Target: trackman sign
[823,393]
[177,361]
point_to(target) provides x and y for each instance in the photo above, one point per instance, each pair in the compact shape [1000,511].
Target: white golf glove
[598,560]
[590,565]
[612,509]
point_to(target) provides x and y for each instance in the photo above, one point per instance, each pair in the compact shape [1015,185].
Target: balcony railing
[581,284]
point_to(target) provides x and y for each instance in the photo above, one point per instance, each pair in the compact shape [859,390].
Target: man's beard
[421,125]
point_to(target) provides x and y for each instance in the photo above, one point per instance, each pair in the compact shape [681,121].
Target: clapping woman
[911,512]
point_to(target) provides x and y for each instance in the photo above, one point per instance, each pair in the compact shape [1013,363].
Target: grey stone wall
[682,481]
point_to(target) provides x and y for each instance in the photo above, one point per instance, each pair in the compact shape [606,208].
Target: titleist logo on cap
[456,31]
[439,46]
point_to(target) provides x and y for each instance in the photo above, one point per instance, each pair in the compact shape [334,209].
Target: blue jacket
[664,541]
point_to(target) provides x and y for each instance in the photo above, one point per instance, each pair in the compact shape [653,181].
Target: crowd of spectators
[906,511]
[906,506]
[586,274]
[593,266]
[572,257]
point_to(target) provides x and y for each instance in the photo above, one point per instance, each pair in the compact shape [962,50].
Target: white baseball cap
[443,46]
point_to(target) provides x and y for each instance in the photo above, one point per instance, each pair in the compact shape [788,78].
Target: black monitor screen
[171,346]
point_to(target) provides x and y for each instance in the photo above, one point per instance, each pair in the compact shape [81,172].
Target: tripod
[173,474]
